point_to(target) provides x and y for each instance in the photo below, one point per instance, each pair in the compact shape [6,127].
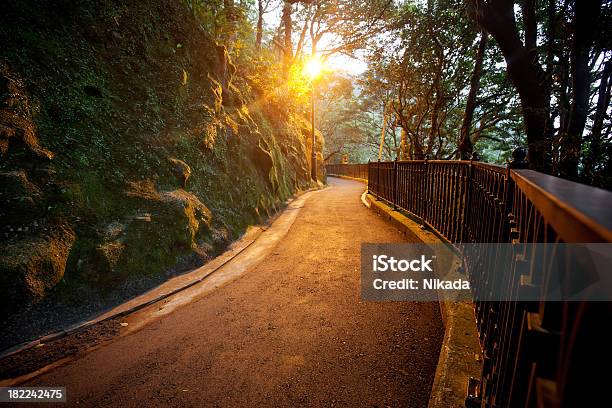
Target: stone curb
[114,313]
[161,292]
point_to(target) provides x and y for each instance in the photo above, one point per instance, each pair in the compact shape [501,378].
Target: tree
[263,6]
[287,24]
[465,142]
[595,157]
[584,35]
[451,76]
[429,59]
[524,70]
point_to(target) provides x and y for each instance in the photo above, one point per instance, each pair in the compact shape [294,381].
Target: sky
[344,63]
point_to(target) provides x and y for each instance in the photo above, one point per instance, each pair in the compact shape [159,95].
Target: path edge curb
[244,242]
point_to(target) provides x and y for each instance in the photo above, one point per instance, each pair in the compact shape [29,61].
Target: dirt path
[291,332]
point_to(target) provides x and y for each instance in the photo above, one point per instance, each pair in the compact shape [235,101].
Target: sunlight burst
[313,68]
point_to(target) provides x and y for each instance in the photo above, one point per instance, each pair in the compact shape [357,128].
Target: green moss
[113,98]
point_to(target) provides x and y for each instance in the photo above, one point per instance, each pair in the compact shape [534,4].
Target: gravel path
[291,332]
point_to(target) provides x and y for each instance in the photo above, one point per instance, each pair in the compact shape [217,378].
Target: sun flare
[313,67]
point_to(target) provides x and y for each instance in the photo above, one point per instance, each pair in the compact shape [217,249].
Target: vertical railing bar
[424,206]
[394,187]
[378,180]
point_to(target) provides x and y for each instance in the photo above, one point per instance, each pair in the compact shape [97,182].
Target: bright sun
[313,68]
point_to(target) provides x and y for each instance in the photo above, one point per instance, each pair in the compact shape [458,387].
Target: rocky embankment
[131,149]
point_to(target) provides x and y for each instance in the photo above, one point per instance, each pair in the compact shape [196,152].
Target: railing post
[476,385]
[368,176]
[424,205]
[378,180]
[394,194]
[468,198]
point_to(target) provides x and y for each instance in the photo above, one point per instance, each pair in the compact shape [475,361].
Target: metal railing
[358,171]
[535,353]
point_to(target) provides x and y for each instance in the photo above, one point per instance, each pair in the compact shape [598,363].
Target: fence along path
[543,354]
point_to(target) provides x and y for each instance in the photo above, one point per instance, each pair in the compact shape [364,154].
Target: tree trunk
[551,16]
[439,99]
[465,142]
[300,45]
[404,153]
[531,26]
[229,9]
[287,31]
[585,14]
[415,147]
[260,16]
[563,105]
[603,101]
[497,17]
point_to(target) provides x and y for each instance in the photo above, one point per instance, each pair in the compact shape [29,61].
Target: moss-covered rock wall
[128,146]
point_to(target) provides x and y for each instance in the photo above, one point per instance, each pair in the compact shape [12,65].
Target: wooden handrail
[577,212]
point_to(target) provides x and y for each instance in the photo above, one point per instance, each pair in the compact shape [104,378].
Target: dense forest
[450,78]
[137,140]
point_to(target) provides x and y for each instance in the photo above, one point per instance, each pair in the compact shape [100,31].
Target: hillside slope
[130,146]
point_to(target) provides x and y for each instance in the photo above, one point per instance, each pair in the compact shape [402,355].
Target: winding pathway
[292,331]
